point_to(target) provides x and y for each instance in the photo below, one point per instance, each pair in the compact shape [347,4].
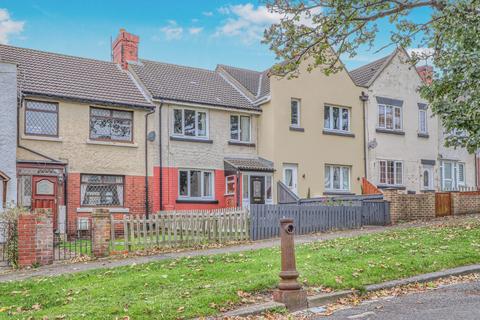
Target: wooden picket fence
[179,229]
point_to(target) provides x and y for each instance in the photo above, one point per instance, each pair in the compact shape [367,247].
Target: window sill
[428,190]
[242,144]
[298,129]
[112,143]
[338,193]
[111,210]
[423,135]
[187,139]
[396,132]
[42,138]
[199,201]
[386,186]
[338,133]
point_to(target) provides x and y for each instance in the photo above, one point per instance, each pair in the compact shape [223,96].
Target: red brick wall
[35,238]
[170,191]
[133,197]
[26,240]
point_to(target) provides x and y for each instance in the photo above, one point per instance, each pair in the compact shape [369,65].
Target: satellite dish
[151,136]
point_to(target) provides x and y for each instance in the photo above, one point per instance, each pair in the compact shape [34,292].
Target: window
[452,175]
[111,125]
[83,224]
[389,117]
[461,174]
[41,118]
[295,112]
[336,118]
[230,185]
[337,178]
[25,191]
[427,181]
[195,184]
[240,128]
[391,172]
[191,123]
[422,121]
[101,190]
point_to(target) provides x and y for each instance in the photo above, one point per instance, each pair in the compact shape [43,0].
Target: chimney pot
[125,48]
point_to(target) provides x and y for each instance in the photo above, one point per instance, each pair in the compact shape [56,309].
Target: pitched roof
[365,75]
[250,164]
[188,84]
[61,76]
[256,82]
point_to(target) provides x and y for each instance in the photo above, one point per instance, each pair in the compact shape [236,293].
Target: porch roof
[248,164]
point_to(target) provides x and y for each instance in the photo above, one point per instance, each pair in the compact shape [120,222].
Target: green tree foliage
[309,30]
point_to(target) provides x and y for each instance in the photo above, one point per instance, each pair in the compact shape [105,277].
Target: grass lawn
[198,286]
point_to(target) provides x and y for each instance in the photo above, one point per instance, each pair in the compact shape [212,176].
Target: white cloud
[8,26]
[172,31]
[195,31]
[207,13]
[420,52]
[249,22]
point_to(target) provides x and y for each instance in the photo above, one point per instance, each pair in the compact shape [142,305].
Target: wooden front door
[44,195]
[443,204]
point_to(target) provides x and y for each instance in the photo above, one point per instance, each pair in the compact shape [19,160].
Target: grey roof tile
[256,82]
[363,75]
[188,84]
[62,76]
[250,164]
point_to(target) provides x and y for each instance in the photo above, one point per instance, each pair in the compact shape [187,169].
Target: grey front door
[257,190]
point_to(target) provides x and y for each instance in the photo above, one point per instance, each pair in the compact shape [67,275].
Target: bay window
[336,118]
[389,117]
[196,184]
[240,128]
[337,178]
[391,172]
[190,123]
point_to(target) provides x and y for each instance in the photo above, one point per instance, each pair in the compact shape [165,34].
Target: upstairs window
[337,118]
[391,172]
[295,113]
[111,125]
[190,123]
[389,117]
[240,128]
[101,190]
[41,118]
[422,121]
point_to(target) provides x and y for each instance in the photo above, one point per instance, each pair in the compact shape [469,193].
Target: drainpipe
[160,174]
[147,204]
[364,99]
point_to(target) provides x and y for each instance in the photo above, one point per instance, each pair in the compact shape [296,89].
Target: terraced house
[405,142]
[81,136]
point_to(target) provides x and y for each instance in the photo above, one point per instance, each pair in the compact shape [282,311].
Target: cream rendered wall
[400,81]
[82,155]
[458,154]
[312,149]
[183,154]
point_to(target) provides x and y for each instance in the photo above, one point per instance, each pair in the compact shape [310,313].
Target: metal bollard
[289,291]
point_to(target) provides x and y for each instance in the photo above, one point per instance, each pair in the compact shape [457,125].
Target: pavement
[459,301]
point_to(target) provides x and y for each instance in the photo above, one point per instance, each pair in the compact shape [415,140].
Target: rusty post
[289,291]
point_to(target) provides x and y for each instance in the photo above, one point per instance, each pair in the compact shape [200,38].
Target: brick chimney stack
[426,73]
[125,48]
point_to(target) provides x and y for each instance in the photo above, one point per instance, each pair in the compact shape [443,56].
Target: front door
[290,176]
[257,190]
[44,195]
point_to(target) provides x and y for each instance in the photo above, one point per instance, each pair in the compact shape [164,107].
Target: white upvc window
[230,185]
[337,178]
[453,175]
[391,172]
[336,118]
[190,123]
[422,121]
[240,128]
[389,117]
[295,113]
[195,184]
[461,174]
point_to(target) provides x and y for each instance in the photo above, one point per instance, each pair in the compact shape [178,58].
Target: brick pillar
[456,205]
[101,232]
[35,238]
[394,197]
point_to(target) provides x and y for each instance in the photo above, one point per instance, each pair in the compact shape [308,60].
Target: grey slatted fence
[316,217]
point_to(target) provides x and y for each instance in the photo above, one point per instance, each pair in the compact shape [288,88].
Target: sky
[197,33]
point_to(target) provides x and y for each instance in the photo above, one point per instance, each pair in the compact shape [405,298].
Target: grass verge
[190,287]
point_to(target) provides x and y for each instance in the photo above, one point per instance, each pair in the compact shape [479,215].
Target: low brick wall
[408,207]
[465,202]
